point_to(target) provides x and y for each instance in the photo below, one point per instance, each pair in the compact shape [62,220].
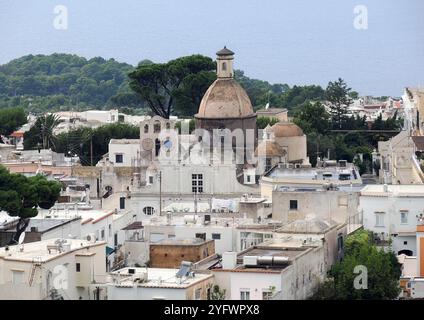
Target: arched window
[156,127]
[168,125]
[405,252]
[148,211]
[146,128]
[224,66]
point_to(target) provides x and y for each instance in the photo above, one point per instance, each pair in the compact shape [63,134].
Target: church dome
[225,98]
[286,129]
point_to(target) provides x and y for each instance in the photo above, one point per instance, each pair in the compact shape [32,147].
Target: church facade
[182,167]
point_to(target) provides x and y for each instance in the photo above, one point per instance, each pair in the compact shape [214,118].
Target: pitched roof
[224,52]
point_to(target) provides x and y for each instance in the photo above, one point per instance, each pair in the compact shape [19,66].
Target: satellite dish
[21,238]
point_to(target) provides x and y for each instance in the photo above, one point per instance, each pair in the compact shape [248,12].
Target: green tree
[160,85]
[217,293]
[312,117]
[337,94]
[11,119]
[383,272]
[263,122]
[296,96]
[20,196]
[91,144]
[41,134]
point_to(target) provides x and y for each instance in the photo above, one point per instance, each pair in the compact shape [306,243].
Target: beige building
[397,157]
[52,269]
[291,204]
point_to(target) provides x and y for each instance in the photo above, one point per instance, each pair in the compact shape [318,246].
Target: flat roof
[86,215]
[158,278]
[124,141]
[39,250]
[181,242]
[314,173]
[274,251]
[400,190]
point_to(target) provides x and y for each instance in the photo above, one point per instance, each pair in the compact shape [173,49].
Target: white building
[390,212]
[103,225]
[273,270]
[52,269]
[158,284]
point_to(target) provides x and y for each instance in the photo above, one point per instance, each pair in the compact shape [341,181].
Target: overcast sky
[286,41]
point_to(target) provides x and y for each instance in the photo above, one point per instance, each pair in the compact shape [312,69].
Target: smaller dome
[286,129]
[225,52]
[269,149]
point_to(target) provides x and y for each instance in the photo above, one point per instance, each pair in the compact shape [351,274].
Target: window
[102,233]
[266,294]
[244,294]
[146,128]
[78,267]
[405,243]
[17,277]
[340,242]
[110,230]
[122,203]
[404,217]
[224,66]
[293,204]
[267,164]
[148,210]
[198,294]
[248,178]
[156,127]
[115,239]
[379,219]
[119,158]
[342,201]
[168,125]
[216,236]
[150,179]
[197,183]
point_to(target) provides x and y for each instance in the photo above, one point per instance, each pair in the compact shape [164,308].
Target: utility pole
[91,150]
[160,193]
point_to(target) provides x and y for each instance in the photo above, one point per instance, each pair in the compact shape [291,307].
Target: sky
[282,41]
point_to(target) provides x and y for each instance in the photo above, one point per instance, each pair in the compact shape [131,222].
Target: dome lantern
[224,64]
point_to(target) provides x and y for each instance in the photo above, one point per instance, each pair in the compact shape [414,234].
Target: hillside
[58,81]
[41,83]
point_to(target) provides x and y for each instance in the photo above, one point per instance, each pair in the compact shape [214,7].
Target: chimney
[229,260]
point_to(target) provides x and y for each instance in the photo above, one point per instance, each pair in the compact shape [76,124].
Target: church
[182,166]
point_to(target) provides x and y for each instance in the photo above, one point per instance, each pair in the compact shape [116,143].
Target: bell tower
[224,63]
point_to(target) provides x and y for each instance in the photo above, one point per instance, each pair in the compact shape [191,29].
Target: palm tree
[46,125]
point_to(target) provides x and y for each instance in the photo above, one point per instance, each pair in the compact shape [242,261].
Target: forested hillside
[52,82]
[41,83]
